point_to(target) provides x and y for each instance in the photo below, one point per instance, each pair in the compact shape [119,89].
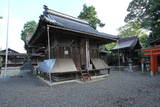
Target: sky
[110,12]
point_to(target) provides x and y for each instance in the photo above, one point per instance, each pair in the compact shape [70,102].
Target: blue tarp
[47,65]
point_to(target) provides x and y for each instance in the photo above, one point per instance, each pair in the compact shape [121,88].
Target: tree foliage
[28,29]
[144,40]
[89,14]
[133,28]
[110,46]
[148,13]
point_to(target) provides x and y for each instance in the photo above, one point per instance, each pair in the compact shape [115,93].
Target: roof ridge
[128,38]
[51,11]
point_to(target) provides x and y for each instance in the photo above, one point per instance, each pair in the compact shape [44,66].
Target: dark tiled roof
[9,51]
[68,22]
[129,42]
[12,52]
[73,23]
[21,54]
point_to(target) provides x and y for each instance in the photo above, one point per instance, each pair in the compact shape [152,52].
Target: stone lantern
[130,64]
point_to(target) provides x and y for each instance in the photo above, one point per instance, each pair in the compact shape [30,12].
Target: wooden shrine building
[127,47]
[71,41]
[14,58]
[17,59]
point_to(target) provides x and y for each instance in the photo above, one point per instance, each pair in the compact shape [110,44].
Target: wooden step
[85,75]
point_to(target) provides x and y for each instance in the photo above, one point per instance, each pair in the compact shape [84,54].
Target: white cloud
[14,39]
[111,12]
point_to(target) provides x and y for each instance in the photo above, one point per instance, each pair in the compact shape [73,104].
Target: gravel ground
[120,89]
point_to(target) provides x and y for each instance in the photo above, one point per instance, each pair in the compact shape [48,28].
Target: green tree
[133,28]
[89,14]
[28,29]
[144,40]
[110,46]
[148,13]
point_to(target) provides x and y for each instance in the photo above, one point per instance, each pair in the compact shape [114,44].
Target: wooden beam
[151,49]
[82,32]
[87,54]
[33,39]
[154,64]
[82,52]
[49,51]
[152,53]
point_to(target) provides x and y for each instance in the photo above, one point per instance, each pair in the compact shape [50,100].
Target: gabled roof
[9,51]
[61,20]
[12,52]
[129,42]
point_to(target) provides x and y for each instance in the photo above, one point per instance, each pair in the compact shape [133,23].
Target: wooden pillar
[154,64]
[49,51]
[84,52]
[87,54]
